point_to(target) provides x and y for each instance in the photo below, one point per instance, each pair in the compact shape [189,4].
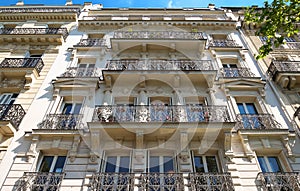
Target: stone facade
[143,99]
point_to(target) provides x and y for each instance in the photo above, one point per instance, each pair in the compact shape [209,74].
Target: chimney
[69,2]
[20,3]
[211,6]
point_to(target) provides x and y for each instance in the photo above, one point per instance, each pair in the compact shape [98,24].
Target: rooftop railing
[13,113]
[39,10]
[36,63]
[161,113]
[35,31]
[184,65]
[179,35]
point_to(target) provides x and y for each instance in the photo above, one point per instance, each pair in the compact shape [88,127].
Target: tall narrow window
[205,164]
[269,164]
[161,164]
[117,164]
[8,98]
[71,108]
[249,116]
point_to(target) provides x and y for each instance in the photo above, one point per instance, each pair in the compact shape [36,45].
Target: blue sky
[145,3]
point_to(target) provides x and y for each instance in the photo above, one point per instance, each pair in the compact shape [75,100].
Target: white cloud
[170,4]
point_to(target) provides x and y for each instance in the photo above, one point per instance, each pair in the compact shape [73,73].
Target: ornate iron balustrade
[76,72]
[288,181]
[40,181]
[158,17]
[61,122]
[39,10]
[257,121]
[161,113]
[158,35]
[91,42]
[223,43]
[184,65]
[34,31]
[13,113]
[112,181]
[36,63]
[161,181]
[283,66]
[236,72]
[210,181]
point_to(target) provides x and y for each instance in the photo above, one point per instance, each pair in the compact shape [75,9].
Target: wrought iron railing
[91,42]
[290,46]
[112,181]
[158,35]
[40,181]
[39,10]
[13,113]
[283,66]
[36,63]
[196,65]
[236,72]
[61,122]
[76,72]
[161,181]
[257,121]
[34,31]
[159,17]
[210,181]
[161,113]
[277,181]
[223,43]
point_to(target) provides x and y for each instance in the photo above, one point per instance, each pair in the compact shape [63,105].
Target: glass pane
[262,164]
[154,164]
[251,108]
[111,164]
[46,164]
[60,162]
[124,164]
[77,108]
[241,108]
[211,164]
[82,65]
[168,164]
[5,99]
[198,162]
[274,164]
[67,108]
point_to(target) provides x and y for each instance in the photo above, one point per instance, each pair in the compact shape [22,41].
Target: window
[71,108]
[161,164]
[159,110]
[249,116]
[85,70]
[8,98]
[117,164]
[269,164]
[205,164]
[52,164]
[247,108]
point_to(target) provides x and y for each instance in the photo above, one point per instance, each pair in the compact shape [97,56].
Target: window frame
[53,163]
[205,162]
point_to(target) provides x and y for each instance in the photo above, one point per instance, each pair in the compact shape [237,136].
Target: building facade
[143,99]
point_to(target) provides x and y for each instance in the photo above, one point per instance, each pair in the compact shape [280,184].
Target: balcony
[210,181]
[285,73]
[40,181]
[257,122]
[91,43]
[290,46]
[112,181]
[178,40]
[61,122]
[279,181]
[160,65]
[22,63]
[33,35]
[220,44]
[236,73]
[161,113]
[129,71]
[12,113]
[161,181]
[76,72]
